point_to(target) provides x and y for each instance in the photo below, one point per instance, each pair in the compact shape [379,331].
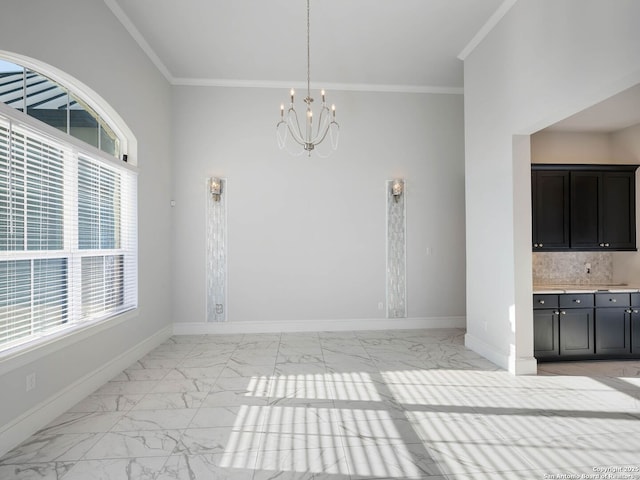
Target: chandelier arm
[296,132]
[295,137]
[323,123]
[320,135]
[297,152]
[326,131]
[321,155]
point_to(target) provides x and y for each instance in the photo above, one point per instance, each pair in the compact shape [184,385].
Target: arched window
[40,97]
[68,215]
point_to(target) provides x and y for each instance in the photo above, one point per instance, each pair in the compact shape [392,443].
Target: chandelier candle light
[312,135]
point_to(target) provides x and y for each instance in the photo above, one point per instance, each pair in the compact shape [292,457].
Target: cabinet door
[576,331]
[550,201]
[635,331]
[545,333]
[585,200]
[617,210]
[613,331]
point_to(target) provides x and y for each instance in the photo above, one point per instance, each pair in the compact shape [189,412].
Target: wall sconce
[397,188]
[215,187]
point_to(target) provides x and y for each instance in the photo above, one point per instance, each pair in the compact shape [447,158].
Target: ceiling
[402,45]
[381,45]
[615,113]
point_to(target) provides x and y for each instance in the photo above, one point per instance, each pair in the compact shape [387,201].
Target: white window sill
[33,350]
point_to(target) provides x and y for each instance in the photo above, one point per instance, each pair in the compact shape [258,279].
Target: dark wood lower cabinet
[545,329]
[576,331]
[635,331]
[563,332]
[604,327]
[613,331]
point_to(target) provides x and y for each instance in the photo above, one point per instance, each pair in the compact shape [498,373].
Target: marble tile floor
[340,405]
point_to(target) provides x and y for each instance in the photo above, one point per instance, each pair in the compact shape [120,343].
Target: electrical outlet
[31,381]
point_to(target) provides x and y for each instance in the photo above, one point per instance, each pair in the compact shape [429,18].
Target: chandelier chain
[308,51]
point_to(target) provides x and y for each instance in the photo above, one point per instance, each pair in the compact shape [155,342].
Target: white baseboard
[508,361]
[18,430]
[523,365]
[487,351]
[204,328]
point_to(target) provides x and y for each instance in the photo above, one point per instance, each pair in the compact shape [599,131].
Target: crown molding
[140,40]
[359,87]
[486,28]
[238,83]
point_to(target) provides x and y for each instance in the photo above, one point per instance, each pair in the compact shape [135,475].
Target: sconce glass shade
[215,187]
[397,187]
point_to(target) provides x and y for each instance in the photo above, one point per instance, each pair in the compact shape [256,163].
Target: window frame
[129,143]
[58,337]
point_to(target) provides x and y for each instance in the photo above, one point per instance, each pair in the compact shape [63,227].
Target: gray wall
[84,39]
[306,235]
[546,60]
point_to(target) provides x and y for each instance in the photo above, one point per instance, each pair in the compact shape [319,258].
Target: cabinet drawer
[545,301]
[635,299]
[576,300]
[612,300]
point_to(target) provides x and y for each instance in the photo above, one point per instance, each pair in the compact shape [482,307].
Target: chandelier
[296,139]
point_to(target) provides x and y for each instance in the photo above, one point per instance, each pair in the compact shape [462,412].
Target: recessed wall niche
[396,249]
[216,249]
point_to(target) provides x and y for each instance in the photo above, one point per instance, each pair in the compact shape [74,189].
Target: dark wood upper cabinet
[550,199]
[583,207]
[618,210]
[585,211]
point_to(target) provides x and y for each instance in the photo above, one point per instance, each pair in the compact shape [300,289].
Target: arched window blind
[68,233]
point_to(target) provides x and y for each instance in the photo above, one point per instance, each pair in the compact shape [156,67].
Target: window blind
[68,235]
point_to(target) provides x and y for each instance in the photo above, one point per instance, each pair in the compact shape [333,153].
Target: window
[42,98]
[68,226]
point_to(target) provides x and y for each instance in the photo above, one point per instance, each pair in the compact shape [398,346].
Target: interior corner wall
[83,39]
[625,146]
[544,61]
[306,235]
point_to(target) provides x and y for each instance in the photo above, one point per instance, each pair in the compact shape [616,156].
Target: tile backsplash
[551,268]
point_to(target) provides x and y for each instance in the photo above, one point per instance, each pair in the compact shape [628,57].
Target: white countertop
[556,289]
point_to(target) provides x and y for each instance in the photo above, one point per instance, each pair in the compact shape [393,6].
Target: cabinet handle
[635,311]
[577,300]
[541,302]
[613,300]
[535,245]
[606,244]
[628,311]
[540,245]
[562,312]
[602,244]
[556,312]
